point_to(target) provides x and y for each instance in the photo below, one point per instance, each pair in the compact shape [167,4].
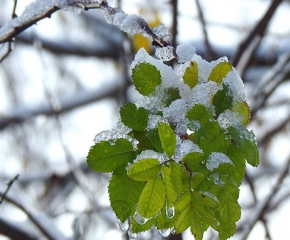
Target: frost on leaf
[183,146]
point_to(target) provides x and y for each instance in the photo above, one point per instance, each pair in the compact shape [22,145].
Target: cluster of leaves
[175,194]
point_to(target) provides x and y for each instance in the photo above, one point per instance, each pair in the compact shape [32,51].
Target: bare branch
[210,52]
[68,104]
[43,229]
[15,231]
[258,30]
[9,185]
[262,207]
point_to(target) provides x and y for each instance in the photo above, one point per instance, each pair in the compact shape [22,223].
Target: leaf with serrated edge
[190,76]
[230,211]
[196,227]
[184,220]
[152,198]
[145,169]
[145,78]
[219,72]
[227,229]
[246,141]
[167,137]
[124,194]
[137,228]
[134,118]
[108,157]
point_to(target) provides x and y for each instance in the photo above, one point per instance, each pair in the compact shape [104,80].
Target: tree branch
[80,99]
[15,232]
[33,219]
[259,30]
[9,185]
[262,207]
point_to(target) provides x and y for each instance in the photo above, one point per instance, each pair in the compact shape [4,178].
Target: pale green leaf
[184,220]
[219,72]
[152,198]
[167,137]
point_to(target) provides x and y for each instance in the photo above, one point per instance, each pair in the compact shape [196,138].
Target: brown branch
[258,30]
[9,185]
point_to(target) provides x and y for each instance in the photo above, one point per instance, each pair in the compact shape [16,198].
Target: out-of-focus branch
[42,228]
[15,231]
[261,210]
[102,50]
[210,52]
[174,4]
[9,185]
[258,30]
[22,114]
[278,74]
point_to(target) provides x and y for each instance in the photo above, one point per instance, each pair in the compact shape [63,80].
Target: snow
[217,158]
[229,118]
[39,7]
[151,154]
[165,53]
[120,131]
[185,53]
[184,147]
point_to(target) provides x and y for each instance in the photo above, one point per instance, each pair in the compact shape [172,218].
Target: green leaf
[162,221]
[223,99]
[183,201]
[219,72]
[152,198]
[143,141]
[178,175]
[154,139]
[207,214]
[184,220]
[226,230]
[145,78]
[134,118]
[204,198]
[190,76]
[243,109]
[124,193]
[145,169]
[137,228]
[170,94]
[171,194]
[246,141]
[167,138]
[108,157]
[196,228]
[236,155]
[230,210]
[199,112]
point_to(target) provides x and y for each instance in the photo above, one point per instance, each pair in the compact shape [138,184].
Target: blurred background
[66,79]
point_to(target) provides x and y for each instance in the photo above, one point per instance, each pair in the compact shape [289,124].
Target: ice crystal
[215,159]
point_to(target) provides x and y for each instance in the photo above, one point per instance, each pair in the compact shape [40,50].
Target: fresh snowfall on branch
[178,155]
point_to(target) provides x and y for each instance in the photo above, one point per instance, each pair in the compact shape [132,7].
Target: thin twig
[210,52]
[9,185]
[262,209]
[30,216]
[259,30]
